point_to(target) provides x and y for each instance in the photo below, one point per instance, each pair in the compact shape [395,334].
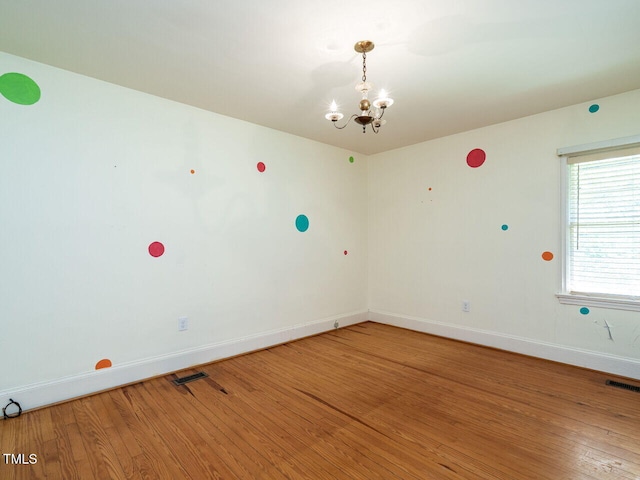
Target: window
[602,226]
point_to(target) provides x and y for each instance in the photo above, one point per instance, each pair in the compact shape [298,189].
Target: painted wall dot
[351,160]
[104,363]
[261,167]
[505,227]
[156,249]
[584,311]
[19,88]
[345,252]
[302,223]
[547,256]
[594,108]
[192,171]
[476,157]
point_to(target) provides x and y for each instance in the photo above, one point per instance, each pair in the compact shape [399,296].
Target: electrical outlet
[466,306]
[183,324]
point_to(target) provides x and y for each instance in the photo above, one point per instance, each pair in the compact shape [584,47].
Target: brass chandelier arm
[335,122]
[373,121]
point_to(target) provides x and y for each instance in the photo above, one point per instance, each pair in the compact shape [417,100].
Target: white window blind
[603,244]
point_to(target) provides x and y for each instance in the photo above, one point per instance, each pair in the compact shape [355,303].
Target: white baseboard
[623,366]
[47,393]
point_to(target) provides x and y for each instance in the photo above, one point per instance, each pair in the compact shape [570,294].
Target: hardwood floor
[364,402]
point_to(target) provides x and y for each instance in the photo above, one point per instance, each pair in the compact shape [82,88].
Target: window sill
[615,303]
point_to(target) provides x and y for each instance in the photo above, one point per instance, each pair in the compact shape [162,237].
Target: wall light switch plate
[183,324]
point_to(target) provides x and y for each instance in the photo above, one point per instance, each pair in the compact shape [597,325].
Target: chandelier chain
[364,66]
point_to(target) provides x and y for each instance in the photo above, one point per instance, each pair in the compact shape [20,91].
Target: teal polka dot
[302,223]
[584,311]
[594,108]
[505,227]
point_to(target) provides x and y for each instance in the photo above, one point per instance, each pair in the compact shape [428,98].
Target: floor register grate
[626,386]
[190,378]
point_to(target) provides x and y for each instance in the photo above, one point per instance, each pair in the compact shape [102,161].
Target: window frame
[618,302]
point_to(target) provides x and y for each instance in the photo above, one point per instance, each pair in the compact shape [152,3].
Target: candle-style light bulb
[383,100]
[333,114]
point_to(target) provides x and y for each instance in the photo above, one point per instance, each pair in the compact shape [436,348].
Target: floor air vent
[626,386]
[190,378]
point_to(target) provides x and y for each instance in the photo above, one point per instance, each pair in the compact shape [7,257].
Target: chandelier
[370,112]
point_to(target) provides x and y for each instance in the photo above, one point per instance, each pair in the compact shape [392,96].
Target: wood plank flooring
[364,402]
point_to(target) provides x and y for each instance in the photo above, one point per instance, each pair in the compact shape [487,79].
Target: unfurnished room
[332,240]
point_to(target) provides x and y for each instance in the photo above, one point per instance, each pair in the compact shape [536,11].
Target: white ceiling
[450,65]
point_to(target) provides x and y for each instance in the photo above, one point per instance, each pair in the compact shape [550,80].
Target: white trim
[612,144]
[624,366]
[565,296]
[602,302]
[47,393]
[564,217]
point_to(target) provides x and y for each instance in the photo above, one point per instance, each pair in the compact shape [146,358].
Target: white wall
[93,173]
[431,249]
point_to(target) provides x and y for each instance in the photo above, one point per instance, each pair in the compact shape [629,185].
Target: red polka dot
[261,167]
[476,157]
[548,256]
[156,249]
[345,252]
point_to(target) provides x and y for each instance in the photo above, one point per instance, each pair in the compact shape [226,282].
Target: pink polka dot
[261,167]
[476,157]
[156,249]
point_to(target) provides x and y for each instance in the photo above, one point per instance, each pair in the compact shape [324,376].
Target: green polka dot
[19,88]
[351,160]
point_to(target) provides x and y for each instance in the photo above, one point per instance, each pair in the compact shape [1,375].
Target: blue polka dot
[594,108]
[302,223]
[505,227]
[584,311]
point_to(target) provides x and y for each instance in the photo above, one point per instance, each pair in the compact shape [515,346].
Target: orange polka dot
[192,171]
[548,256]
[104,363]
